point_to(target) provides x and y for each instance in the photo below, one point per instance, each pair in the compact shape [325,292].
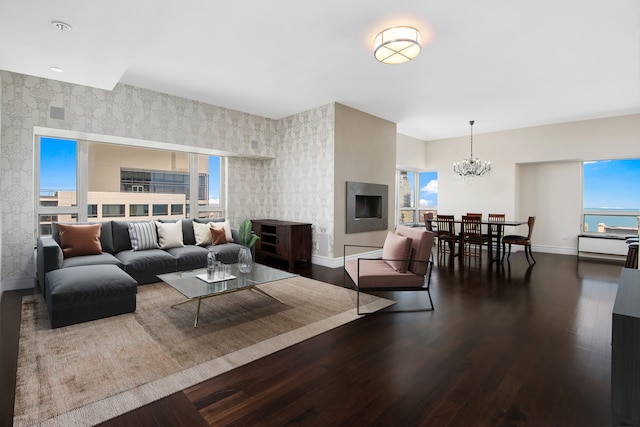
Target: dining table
[499,228]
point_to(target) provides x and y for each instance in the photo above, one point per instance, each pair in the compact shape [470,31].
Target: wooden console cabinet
[286,240]
[625,350]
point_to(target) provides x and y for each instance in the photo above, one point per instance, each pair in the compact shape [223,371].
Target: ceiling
[506,64]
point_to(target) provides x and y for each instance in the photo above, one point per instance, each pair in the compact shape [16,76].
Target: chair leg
[504,251]
[527,250]
[509,254]
[357,300]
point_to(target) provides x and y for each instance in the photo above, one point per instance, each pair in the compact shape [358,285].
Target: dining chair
[446,235]
[471,238]
[428,221]
[520,240]
[495,240]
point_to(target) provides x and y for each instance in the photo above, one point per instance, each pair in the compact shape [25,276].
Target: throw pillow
[396,251]
[77,240]
[143,236]
[170,234]
[218,236]
[202,233]
[223,225]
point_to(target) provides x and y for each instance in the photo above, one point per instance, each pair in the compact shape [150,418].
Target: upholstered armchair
[405,264]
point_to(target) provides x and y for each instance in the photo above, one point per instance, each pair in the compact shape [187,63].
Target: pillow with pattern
[143,236]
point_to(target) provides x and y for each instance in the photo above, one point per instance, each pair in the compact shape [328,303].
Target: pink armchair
[405,264]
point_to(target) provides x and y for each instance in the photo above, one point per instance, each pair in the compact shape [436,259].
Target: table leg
[195,324]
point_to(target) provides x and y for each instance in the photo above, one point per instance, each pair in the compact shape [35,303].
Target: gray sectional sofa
[88,287]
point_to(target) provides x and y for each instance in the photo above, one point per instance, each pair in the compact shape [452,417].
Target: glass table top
[191,286]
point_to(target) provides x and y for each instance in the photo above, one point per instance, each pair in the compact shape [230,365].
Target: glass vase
[245,260]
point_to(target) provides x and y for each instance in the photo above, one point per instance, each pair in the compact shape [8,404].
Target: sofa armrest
[48,257]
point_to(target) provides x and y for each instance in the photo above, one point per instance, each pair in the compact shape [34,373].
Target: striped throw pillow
[143,236]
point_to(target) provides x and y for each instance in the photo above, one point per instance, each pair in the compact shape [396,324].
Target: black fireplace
[367,206]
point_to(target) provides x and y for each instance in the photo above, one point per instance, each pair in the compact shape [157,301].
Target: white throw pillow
[143,236]
[202,233]
[170,234]
[227,229]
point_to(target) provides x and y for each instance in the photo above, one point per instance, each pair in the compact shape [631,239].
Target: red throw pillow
[397,251]
[218,236]
[78,240]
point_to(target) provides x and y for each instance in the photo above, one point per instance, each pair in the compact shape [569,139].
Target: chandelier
[470,169]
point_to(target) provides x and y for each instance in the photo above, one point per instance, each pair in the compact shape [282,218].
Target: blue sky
[612,184]
[58,167]
[428,189]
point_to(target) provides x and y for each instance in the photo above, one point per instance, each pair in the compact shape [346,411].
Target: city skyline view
[58,168]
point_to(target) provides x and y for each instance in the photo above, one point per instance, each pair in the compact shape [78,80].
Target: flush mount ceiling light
[471,168]
[61,26]
[56,69]
[396,45]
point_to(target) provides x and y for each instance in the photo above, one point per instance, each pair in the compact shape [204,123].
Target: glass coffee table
[193,288]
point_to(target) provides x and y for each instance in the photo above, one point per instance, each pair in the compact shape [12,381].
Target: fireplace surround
[367,207]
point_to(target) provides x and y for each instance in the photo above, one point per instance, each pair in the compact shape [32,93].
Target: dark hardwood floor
[510,346]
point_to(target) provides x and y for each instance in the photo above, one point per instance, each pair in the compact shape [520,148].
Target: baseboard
[17,283]
[558,250]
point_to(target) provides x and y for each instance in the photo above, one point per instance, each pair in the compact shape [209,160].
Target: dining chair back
[446,234]
[471,237]
[495,240]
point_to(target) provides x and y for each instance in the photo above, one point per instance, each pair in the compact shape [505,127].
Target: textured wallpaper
[297,184]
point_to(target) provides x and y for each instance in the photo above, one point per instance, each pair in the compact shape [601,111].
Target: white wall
[556,188]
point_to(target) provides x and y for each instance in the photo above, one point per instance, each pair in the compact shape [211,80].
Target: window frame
[605,212]
[416,208]
[83,139]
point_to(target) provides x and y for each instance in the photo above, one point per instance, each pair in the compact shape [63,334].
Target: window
[112,211]
[89,180]
[610,200]
[417,195]
[138,210]
[159,210]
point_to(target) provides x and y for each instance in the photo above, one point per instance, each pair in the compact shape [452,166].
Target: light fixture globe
[471,168]
[396,45]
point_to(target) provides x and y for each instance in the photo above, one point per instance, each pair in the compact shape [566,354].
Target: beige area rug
[88,373]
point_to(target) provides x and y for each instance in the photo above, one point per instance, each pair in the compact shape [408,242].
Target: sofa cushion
[227,253]
[189,257]
[218,236]
[143,235]
[75,285]
[421,246]
[396,251]
[187,231]
[152,260]
[78,240]
[375,273]
[169,234]
[102,259]
[202,233]
[121,239]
